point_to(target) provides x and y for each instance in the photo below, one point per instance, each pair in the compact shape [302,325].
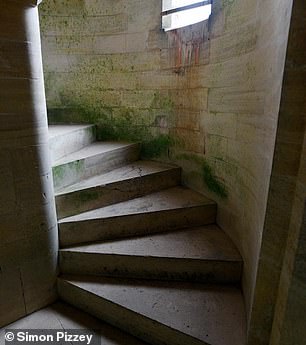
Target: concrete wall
[243,107]
[280,288]
[289,317]
[213,88]
[28,228]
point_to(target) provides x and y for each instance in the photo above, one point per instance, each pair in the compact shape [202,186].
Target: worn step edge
[150,267]
[73,171]
[78,137]
[140,326]
[82,200]
[99,229]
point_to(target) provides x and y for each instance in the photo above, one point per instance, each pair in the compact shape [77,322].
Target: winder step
[170,209]
[66,139]
[124,183]
[61,316]
[93,159]
[172,313]
[203,254]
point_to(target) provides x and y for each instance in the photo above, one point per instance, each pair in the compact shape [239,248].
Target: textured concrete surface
[65,139]
[172,198]
[93,159]
[63,130]
[159,312]
[28,228]
[63,316]
[130,171]
[127,182]
[198,254]
[208,242]
[170,209]
[94,149]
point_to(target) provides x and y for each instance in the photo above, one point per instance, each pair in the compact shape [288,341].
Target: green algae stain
[211,181]
[58,172]
[86,196]
[61,171]
[125,124]
[76,166]
[156,147]
[208,177]
[161,101]
[124,128]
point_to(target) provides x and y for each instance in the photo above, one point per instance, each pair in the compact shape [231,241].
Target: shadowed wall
[28,226]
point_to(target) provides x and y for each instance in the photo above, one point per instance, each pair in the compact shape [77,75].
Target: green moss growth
[88,196]
[58,172]
[163,102]
[123,128]
[76,165]
[156,147]
[209,179]
[126,125]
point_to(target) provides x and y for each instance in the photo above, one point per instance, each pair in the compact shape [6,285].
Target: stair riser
[150,268]
[99,196]
[131,225]
[70,142]
[138,325]
[69,173]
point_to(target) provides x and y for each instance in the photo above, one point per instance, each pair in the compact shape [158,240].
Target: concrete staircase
[139,250]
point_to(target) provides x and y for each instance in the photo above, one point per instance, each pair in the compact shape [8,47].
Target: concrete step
[170,209]
[94,159]
[124,183]
[204,254]
[172,313]
[61,316]
[66,139]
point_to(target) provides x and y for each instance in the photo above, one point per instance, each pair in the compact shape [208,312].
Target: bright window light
[180,13]
[171,4]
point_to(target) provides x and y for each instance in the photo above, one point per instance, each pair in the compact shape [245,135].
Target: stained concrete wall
[243,110]
[213,88]
[28,232]
[280,288]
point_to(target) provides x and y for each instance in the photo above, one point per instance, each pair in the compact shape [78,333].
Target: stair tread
[58,130]
[63,316]
[205,243]
[93,149]
[129,171]
[211,313]
[169,199]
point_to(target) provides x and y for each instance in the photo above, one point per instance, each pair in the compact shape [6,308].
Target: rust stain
[187,45]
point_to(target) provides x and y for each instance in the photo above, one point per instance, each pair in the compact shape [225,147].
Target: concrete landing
[173,208]
[124,183]
[63,317]
[162,312]
[199,254]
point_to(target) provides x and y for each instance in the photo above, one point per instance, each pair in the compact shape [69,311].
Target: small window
[179,13]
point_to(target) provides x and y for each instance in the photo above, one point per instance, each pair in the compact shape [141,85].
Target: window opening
[179,13]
